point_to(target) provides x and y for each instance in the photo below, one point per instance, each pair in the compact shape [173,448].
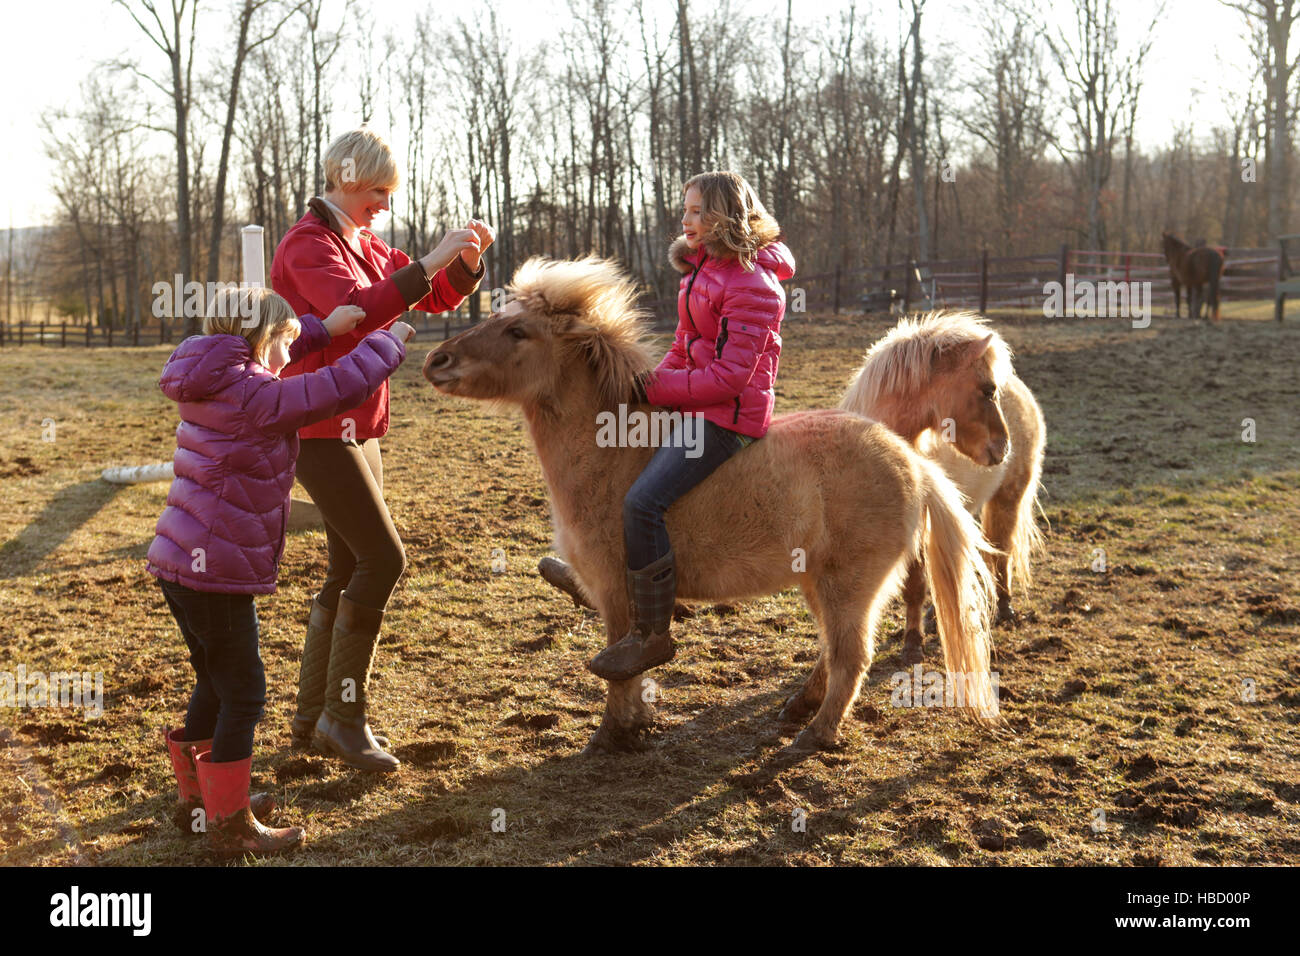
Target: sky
[1195,54]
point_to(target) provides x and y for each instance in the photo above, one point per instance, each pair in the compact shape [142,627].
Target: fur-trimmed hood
[775,256]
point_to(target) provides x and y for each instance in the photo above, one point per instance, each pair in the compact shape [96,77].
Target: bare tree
[1102,87]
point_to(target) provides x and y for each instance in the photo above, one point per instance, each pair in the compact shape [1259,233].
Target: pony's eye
[517,332]
[989,390]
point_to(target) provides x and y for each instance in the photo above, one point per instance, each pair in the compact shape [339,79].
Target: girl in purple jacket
[720,373]
[221,535]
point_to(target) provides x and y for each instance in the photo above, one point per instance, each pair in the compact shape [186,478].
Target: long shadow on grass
[69,509]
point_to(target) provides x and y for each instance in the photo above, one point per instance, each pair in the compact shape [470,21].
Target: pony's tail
[1215,275]
[963,593]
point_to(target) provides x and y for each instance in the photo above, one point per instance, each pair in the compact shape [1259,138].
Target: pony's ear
[950,360]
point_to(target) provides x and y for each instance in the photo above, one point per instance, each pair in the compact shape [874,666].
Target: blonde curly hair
[737,221]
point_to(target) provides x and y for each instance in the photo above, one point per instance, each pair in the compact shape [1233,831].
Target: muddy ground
[1154,705]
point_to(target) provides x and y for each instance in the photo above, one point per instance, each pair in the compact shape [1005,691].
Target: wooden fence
[983,283]
[1002,283]
[160,332]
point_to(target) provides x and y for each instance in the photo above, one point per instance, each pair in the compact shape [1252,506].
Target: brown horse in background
[1194,267]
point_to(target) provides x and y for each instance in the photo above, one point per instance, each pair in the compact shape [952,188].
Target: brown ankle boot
[232,829]
[649,642]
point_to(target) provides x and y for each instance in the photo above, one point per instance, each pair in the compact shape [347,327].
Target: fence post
[835,305]
[42,333]
[984,281]
[20,331]
[1280,297]
[110,335]
[87,333]
[63,335]
[907,285]
[1065,258]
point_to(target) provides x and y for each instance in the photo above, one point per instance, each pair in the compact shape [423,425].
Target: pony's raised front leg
[914,599]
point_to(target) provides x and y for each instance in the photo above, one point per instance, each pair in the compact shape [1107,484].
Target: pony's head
[562,318]
[940,371]
[1170,243]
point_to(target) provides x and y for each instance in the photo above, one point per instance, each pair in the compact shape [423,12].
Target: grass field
[1153,705]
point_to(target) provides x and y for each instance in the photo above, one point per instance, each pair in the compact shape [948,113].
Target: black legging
[346,480]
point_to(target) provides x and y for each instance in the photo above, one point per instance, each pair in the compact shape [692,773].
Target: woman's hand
[486,236]
[344,319]
[456,242]
[403,331]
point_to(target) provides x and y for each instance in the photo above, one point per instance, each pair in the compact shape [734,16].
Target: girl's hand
[454,243]
[344,319]
[403,331]
[486,236]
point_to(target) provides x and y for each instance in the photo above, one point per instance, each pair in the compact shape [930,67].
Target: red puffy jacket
[317,271]
[724,357]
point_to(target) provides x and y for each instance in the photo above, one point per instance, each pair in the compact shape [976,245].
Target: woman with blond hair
[330,258]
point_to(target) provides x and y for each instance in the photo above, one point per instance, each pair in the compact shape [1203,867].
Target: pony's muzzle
[437,366]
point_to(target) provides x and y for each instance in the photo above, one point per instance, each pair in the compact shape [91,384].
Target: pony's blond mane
[901,364]
[592,305]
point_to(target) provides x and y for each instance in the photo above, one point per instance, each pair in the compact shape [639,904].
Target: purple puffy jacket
[724,357]
[236,448]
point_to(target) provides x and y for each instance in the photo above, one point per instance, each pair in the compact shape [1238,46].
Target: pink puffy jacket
[728,343]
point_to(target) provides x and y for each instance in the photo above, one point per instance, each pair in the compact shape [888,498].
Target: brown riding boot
[649,642]
[312,674]
[341,728]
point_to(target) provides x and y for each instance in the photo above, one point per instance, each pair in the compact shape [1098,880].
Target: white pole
[254,256]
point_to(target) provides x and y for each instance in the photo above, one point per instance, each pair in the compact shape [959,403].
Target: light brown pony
[945,383]
[848,492]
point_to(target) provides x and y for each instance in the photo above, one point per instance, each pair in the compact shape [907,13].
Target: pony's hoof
[608,741]
[796,710]
[1006,616]
[912,653]
[806,743]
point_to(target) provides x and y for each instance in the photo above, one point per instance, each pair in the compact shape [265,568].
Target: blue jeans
[670,474]
[230,683]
